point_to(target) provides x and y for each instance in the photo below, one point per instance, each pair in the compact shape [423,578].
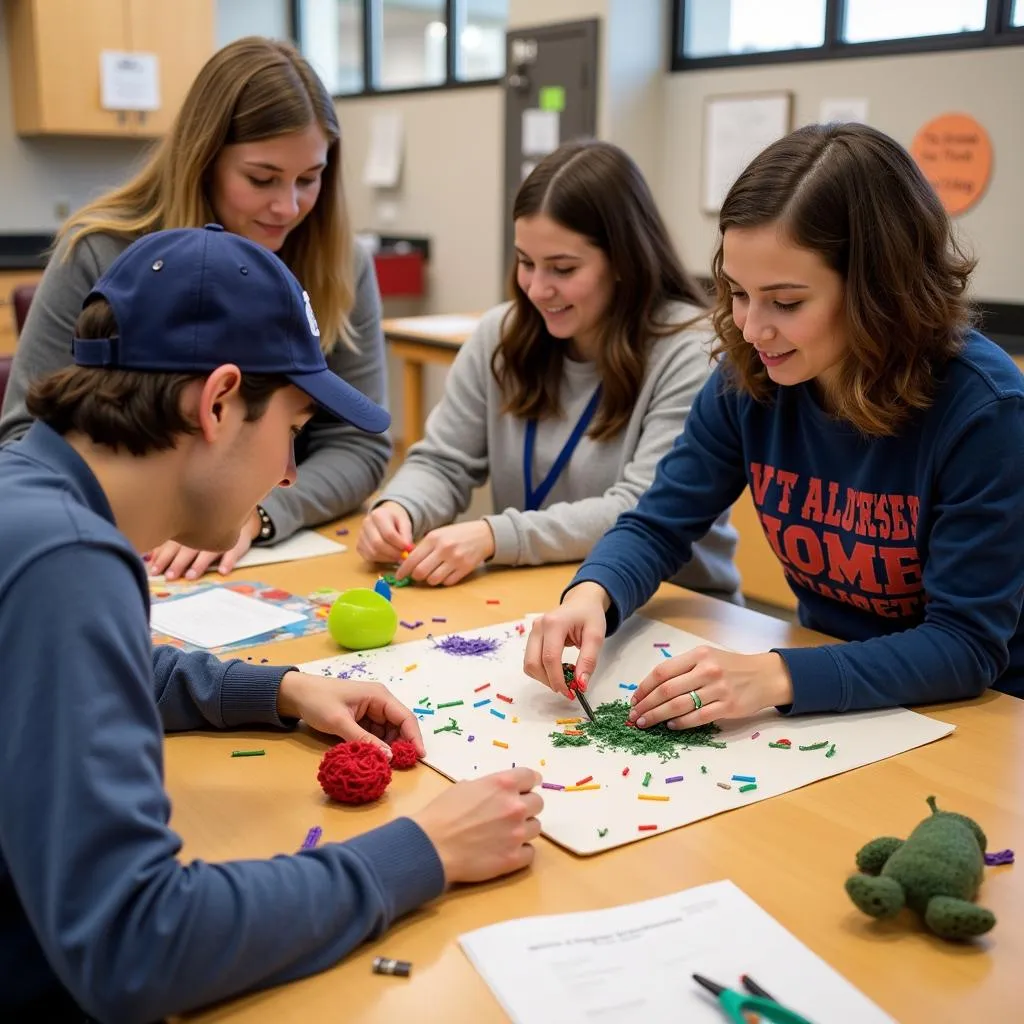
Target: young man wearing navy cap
[196,362]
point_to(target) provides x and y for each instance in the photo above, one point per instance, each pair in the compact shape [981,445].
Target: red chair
[21,298]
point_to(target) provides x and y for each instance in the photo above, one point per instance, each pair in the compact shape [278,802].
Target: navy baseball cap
[189,300]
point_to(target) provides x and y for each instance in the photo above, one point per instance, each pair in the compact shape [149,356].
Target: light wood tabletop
[791,854]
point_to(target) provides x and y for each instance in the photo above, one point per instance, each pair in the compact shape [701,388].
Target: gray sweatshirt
[468,439]
[339,466]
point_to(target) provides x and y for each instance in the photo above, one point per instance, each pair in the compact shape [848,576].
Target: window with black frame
[713,33]
[387,46]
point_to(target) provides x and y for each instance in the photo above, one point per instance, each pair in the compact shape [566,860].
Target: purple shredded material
[438,618]
[999,857]
[471,738]
[412,625]
[341,533]
[463,647]
[312,837]
[356,669]
[551,785]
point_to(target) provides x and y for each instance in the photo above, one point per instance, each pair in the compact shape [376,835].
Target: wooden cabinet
[9,280]
[54,51]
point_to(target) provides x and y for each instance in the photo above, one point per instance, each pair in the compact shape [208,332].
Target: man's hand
[484,828]
[349,709]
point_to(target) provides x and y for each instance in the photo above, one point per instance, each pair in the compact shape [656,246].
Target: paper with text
[636,963]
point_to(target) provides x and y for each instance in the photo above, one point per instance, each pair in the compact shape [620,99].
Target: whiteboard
[736,129]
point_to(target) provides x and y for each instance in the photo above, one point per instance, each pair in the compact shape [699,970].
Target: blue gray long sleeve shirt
[909,547]
[93,898]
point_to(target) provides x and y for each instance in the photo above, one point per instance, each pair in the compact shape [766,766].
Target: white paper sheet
[218,616]
[636,963]
[304,544]
[384,158]
[844,110]
[577,819]
[540,132]
[452,326]
[129,81]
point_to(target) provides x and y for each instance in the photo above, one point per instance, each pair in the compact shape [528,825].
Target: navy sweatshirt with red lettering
[909,547]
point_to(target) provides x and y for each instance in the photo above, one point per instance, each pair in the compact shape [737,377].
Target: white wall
[903,93]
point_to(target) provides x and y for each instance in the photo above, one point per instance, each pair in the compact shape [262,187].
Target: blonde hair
[252,89]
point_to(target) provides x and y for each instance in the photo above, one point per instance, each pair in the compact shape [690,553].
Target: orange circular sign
[955,154]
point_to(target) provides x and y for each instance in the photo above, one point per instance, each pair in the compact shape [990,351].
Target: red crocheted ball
[354,773]
[403,754]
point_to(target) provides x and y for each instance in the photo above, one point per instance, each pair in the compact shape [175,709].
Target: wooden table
[417,341]
[791,853]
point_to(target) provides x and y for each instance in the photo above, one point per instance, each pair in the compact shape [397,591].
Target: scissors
[737,1005]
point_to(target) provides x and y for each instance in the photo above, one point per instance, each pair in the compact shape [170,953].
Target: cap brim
[328,390]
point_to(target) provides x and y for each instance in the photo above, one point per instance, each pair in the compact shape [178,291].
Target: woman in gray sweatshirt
[565,397]
[255,147]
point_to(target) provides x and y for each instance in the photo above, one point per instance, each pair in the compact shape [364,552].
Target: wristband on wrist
[267,531]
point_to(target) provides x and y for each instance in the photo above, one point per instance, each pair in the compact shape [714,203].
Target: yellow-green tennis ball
[360,619]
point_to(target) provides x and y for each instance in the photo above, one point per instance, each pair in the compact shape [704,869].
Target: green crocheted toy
[936,872]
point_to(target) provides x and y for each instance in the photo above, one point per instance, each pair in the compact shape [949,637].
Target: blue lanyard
[535,498]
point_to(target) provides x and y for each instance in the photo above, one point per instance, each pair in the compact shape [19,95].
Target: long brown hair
[594,189]
[855,196]
[252,89]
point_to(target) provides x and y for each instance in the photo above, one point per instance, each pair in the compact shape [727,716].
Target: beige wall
[903,93]
[450,188]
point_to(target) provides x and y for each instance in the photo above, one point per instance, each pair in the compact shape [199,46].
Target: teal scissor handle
[736,1004]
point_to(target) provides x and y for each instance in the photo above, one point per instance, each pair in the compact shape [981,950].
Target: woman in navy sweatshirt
[881,437]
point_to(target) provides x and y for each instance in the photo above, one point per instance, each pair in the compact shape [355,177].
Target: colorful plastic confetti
[481,703]
[999,857]
[312,837]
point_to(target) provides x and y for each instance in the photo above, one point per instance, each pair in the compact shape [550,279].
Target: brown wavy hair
[130,410]
[251,89]
[594,189]
[857,198]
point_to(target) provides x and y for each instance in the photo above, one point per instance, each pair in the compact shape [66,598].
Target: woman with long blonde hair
[256,148]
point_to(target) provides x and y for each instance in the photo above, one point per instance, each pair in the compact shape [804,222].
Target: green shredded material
[392,582]
[703,769]
[782,746]
[609,731]
[450,704]
[452,726]
[816,746]
[831,751]
[647,779]
[748,787]
[559,740]
[602,832]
